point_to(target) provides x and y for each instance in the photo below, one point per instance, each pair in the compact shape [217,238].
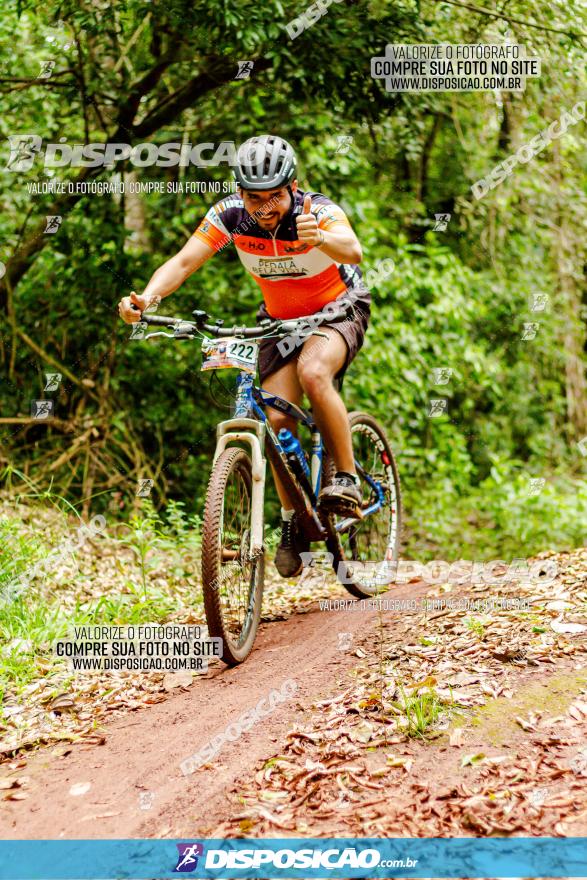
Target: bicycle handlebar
[266,328]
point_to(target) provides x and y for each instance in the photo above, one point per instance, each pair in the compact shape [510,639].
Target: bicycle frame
[250,425]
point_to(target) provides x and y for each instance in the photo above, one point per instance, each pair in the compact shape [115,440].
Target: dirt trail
[143,750]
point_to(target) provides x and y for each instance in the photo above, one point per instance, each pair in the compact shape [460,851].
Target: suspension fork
[251,432]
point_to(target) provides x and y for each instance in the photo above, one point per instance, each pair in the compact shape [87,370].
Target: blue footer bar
[292,858]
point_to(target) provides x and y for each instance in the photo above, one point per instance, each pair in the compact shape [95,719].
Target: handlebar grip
[241,332]
[159,320]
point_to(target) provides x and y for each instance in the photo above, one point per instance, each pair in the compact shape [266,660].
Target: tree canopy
[460,298]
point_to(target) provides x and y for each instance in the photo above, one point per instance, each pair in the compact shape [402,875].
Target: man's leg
[317,365]
[283,383]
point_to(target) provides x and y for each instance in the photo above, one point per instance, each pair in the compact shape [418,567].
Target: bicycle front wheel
[365,551]
[232,581]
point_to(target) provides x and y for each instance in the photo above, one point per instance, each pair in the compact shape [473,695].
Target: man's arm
[166,279]
[339,243]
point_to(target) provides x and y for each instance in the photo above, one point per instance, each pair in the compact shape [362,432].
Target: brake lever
[184,330]
[159,333]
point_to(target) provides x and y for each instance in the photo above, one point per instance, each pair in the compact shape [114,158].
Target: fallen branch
[52,360]
[73,450]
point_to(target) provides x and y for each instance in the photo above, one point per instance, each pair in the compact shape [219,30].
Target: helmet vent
[265,162]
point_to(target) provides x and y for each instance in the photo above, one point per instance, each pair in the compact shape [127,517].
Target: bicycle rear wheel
[232,581]
[366,551]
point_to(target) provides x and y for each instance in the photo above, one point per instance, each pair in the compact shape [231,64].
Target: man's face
[269,206]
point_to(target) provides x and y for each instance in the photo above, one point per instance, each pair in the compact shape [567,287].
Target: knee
[314,379]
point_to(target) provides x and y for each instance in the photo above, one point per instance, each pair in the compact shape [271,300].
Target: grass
[156,555]
[421,711]
[172,544]
[20,550]
[30,626]
[476,626]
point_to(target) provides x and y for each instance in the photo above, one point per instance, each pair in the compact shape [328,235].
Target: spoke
[368,541]
[237,573]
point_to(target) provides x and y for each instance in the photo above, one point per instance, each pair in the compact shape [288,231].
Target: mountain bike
[361,548]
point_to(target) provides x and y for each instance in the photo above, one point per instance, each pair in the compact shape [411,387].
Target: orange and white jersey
[295,278]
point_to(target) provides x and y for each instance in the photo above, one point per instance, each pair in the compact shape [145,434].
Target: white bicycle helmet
[265,162]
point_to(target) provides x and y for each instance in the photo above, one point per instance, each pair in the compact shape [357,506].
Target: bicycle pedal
[340,507]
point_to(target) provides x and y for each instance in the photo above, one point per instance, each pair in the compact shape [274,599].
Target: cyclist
[301,250]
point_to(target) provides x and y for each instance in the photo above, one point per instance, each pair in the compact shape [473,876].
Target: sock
[352,477]
[287,515]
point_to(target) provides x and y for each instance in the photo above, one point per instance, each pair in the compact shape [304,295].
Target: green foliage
[421,711]
[164,553]
[476,626]
[174,541]
[457,299]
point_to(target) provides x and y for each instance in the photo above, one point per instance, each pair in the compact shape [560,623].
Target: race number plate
[236,353]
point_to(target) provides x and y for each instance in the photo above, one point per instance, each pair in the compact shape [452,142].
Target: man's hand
[125,307]
[307,225]
[166,279]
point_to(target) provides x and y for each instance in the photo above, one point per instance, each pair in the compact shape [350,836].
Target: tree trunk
[135,218]
[567,257]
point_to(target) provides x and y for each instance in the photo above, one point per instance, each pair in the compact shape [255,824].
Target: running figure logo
[244,69]
[23,149]
[187,859]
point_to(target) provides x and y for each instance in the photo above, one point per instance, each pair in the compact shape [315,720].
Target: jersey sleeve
[328,215]
[212,230]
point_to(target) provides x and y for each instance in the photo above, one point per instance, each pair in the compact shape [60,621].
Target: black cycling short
[352,329]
